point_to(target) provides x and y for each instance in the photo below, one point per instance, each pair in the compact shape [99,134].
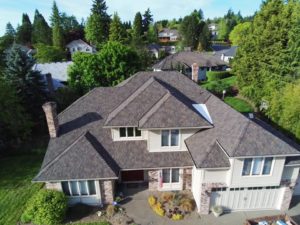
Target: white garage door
[297,187]
[251,198]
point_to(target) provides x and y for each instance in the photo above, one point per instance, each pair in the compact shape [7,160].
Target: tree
[24,31]
[152,34]
[6,42]
[147,20]
[239,33]
[111,65]
[28,83]
[204,37]
[73,30]
[40,30]
[97,26]
[57,30]
[47,54]
[16,126]
[117,31]
[137,30]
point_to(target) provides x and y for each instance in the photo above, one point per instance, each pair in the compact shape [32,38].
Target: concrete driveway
[138,208]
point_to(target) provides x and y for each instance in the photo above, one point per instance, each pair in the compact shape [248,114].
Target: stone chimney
[50,83]
[195,70]
[52,120]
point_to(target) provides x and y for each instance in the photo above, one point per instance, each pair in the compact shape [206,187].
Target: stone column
[153,180]
[52,120]
[107,191]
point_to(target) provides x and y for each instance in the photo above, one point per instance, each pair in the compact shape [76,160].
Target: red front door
[132,175]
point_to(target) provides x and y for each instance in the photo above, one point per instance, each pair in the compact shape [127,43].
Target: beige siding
[237,180]
[215,176]
[154,140]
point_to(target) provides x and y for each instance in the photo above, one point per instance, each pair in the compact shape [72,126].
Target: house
[191,64]
[162,129]
[155,49]
[213,28]
[226,53]
[80,46]
[168,35]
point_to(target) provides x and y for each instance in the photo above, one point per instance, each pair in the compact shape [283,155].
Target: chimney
[195,70]
[50,83]
[52,120]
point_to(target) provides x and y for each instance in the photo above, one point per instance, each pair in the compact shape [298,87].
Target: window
[169,138]
[129,132]
[257,166]
[79,188]
[170,175]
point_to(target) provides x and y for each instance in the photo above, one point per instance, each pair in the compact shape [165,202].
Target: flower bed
[173,205]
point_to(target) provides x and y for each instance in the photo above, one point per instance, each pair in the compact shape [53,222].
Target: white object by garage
[253,198]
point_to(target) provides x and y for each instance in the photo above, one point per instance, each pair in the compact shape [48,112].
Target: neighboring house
[155,49]
[226,53]
[213,30]
[162,129]
[168,35]
[58,71]
[80,46]
[193,64]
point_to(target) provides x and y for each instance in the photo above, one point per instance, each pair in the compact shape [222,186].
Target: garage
[297,187]
[251,198]
[132,176]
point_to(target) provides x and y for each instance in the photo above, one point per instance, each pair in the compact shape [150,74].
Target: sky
[11,10]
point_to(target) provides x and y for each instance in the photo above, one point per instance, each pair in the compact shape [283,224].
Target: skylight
[202,109]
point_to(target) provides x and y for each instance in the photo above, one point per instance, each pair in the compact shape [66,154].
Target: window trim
[170,178]
[79,189]
[169,139]
[126,133]
[261,169]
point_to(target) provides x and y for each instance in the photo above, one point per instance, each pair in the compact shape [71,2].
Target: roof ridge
[153,109]
[62,153]
[242,134]
[139,90]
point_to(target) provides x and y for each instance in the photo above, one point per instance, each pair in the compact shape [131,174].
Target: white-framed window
[129,132]
[257,166]
[170,138]
[79,188]
[170,176]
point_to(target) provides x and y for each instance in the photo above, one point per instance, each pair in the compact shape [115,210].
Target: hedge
[218,75]
[46,207]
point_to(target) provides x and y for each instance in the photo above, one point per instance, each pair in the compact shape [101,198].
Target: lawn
[16,188]
[239,104]
[228,82]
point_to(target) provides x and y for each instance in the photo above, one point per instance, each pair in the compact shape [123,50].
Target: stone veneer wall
[107,191]
[205,196]
[287,194]
[187,178]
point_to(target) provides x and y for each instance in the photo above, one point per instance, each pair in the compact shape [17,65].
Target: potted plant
[217,210]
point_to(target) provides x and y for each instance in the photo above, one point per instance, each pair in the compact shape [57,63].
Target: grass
[239,104]
[229,81]
[16,188]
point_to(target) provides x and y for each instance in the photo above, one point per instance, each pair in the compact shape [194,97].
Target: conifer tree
[117,31]
[24,31]
[147,20]
[97,26]
[40,30]
[57,30]
[137,30]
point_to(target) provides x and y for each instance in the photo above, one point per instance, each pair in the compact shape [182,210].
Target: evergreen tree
[189,30]
[10,30]
[40,30]
[204,38]
[57,30]
[24,31]
[27,83]
[97,26]
[117,31]
[152,34]
[147,20]
[6,42]
[137,30]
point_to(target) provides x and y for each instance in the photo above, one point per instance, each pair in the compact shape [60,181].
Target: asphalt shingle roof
[166,97]
[187,58]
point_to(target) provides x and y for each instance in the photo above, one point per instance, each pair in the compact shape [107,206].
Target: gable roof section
[187,58]
[81,160]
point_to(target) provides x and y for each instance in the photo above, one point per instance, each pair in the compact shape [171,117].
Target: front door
[132,176]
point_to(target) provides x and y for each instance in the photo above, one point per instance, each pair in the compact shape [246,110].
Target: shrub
[218,75]
[177,217]
[151,200]
[157,208]
[167,196]
[47,207]
[110,210]
[187,205]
